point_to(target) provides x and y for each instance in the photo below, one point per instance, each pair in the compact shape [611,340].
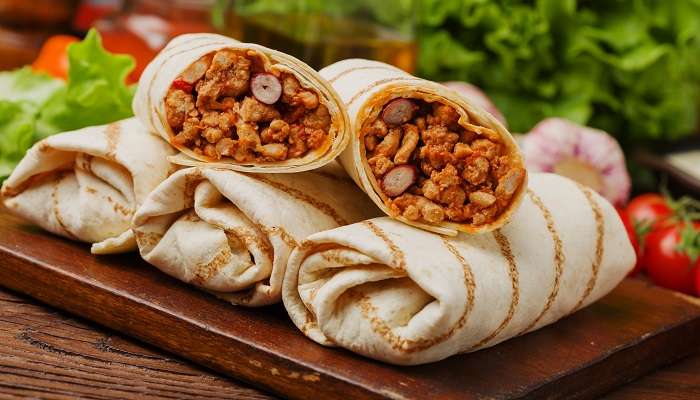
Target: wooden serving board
[635,329]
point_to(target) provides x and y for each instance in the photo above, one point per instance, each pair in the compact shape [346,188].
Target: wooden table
[48,354]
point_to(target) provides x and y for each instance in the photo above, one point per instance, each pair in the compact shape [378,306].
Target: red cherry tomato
[697,281]
[53,57]
[182,85]
[666,264]
[650,209]
[633,239]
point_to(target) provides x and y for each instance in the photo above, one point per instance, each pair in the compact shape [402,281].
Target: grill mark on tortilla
[559,258]
[282,233]
[399,259]
[301,196]
[250,238]
[366,67]
[203,272]
[55,201]
[147,240]
[404,345]
[112,134]
[85,163]
[118,208]
[507,253]
[599,245]
[377,83]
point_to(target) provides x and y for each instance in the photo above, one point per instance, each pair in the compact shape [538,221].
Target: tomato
[697,281]
[53,58]
[182,85]
[632,234]
[650,210]
[666,256]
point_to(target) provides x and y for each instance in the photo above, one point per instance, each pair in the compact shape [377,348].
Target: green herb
[34,105]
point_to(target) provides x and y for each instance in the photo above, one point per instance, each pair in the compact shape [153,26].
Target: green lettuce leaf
[34,105]
[96,92]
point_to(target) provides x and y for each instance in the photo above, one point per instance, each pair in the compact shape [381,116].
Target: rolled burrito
[424,154]
[240,106]
[398,294]
[86,184]
[231,233]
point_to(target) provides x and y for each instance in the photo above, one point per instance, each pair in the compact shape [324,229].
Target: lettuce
[629,67]
[34,105]
[96,92]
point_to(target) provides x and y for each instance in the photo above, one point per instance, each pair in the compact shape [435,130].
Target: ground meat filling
[226,105]
[433,169]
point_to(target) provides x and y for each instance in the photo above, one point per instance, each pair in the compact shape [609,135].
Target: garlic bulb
[589,156]
[477,96]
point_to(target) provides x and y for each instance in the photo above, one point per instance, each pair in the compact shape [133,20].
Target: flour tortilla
[405,296]
[231,233]
[86,184]
[184,50]
[365,87]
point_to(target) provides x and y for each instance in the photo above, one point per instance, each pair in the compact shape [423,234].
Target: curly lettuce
[631,67]
[34,105]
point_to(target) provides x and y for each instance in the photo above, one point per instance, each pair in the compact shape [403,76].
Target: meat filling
[433,169]
[226,105]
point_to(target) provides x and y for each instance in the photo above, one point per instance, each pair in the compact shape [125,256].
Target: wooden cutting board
[633,330]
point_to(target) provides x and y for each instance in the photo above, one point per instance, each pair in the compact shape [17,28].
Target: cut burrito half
[424,154]
[402,295]
[240,106]
[86,184]
[231,233]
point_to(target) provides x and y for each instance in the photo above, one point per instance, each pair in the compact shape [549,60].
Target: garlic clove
[589,156]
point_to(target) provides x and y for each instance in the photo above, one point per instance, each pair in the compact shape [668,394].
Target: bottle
[322,32]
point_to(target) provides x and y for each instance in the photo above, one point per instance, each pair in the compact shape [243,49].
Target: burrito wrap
[405,296]
[184,51]
[231,234]
[86,184]
[367,88]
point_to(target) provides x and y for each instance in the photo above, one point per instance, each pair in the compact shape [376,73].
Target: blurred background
[630,67]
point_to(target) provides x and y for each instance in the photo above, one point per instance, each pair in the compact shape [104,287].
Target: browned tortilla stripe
[558,259]
[599,245]
[507,253]
[112,134]
[205,271]
[404,345]
[399,260]
[55,204]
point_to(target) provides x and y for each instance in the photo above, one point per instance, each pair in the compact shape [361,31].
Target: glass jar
[322,32]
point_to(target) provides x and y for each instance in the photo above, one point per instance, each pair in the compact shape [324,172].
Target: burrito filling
[227,105]
[431,168]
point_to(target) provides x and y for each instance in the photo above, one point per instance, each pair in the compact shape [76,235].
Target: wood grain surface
[46,354]
[630,332]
